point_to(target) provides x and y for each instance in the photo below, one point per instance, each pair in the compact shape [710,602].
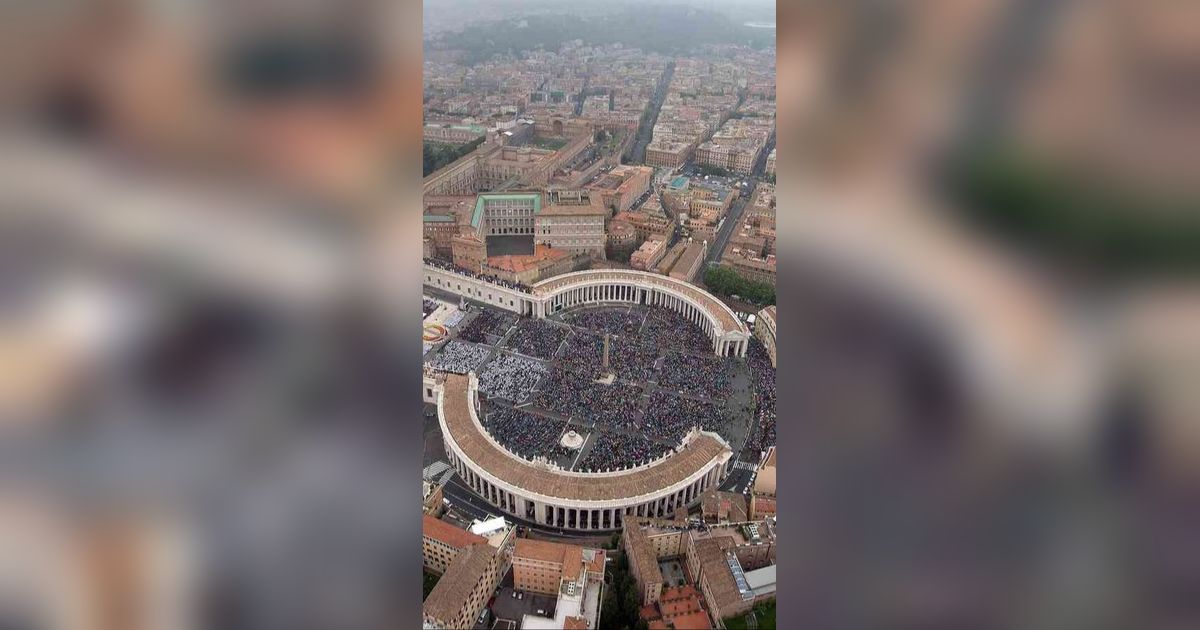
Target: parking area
[512,609]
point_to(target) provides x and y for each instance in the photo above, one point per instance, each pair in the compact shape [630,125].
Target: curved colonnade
[730,336]
[541,492]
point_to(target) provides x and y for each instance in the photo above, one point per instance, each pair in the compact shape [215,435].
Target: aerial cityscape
[215,234]
[599,320]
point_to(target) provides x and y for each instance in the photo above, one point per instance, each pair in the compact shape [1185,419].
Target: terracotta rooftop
[577,487]
[572,560]
[596,564]
[452,590]
[642,556]
[542,550]
[575,623]
[715,567]
[517,262]
[729,505]
[691,621]
[763,505]
[449,534]
[710,303]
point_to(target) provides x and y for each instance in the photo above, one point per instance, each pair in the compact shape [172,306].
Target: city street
[732,218]
[464,500]
[646,128]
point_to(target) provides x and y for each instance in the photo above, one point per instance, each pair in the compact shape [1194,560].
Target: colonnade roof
[456,408]
[715,307]
[768,314]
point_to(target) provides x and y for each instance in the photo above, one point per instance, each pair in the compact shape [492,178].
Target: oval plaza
[539,491]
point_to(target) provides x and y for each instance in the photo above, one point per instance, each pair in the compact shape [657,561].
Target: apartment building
[463,590]
[649,254]
[441,542]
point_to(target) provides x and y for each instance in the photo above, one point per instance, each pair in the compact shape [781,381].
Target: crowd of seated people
[457,357]
[510,377]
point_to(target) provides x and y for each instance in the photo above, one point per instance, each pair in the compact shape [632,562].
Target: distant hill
[654,28]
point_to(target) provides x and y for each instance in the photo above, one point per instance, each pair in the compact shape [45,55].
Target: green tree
[725,281]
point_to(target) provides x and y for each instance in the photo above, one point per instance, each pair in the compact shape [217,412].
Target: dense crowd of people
[458,357]
[511,378]
[708,376]
[615,451]
[632,359]
[664,328]
[449,266]
[669,418]
[762,377]
[526,435]
[612,321]
[571,394]
[427,306]
[537,337]
[584,354]
[483,324]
